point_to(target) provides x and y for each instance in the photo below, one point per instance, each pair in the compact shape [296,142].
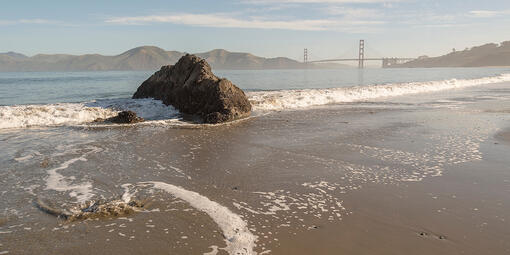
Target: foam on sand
[58,182]
[238,237]
[294,99]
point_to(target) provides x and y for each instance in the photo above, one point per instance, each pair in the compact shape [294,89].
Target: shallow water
[240,188]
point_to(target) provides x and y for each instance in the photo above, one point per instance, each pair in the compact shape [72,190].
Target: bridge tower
[361,58]
[305,56]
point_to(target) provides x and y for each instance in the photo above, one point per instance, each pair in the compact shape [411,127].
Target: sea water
[30,99]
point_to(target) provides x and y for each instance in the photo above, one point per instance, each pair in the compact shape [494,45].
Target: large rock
[192,88]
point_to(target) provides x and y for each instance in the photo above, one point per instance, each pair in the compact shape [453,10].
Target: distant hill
[486,55]
[14,55]
[140,58]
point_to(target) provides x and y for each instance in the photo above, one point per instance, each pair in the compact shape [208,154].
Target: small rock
[127,117]
[45,163]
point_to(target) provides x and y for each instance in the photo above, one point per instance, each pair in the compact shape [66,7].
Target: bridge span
[386,62]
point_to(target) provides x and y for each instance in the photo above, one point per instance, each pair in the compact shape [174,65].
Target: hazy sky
[328,28]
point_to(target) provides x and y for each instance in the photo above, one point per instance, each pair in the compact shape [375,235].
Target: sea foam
[21,116]
[58,182]
[295,99]
[238,237]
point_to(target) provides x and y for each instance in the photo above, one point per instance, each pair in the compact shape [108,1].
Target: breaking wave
[295,99]
[20,116]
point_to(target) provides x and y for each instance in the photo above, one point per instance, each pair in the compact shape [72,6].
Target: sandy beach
[504,136]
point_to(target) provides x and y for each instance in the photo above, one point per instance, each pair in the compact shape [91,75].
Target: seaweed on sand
[93,209]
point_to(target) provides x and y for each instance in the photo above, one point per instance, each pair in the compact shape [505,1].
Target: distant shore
[146,58]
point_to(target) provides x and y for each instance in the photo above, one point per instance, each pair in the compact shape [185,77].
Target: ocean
[292,171]
[70,98]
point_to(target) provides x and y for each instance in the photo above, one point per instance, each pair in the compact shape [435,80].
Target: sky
[268,28]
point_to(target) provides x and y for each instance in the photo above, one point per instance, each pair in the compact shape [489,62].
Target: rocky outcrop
[125,117]
[192,88]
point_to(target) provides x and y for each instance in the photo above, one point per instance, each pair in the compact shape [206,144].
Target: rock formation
[192,88]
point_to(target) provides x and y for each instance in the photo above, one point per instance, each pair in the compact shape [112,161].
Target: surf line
[238,237]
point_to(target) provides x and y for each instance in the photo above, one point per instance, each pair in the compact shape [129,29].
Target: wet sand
[401,176]
[504,136]
[463,212]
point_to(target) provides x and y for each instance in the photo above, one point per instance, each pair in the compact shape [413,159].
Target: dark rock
[192,88]
[126,117]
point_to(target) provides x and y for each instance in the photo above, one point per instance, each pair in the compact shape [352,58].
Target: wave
[295,99]
[20,116]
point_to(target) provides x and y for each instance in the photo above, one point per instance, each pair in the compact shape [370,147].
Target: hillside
[486,55]
[140,58]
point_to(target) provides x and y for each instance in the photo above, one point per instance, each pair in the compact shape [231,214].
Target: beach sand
[401,176]
[504,136]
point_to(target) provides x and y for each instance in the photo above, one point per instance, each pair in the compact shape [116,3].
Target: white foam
[58,182]
[293,99]
[50,115]
[147,108]
[239,239]
[126,197]
[20,116]
[24,158]
[214,250]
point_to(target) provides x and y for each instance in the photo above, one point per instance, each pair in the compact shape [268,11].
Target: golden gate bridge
[386,62]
